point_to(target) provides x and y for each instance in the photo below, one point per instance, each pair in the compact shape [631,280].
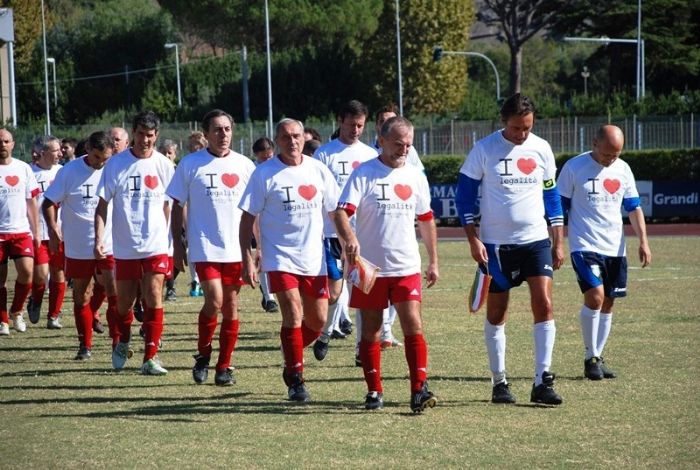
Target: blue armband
[552,204]
[466,197]
[630,203]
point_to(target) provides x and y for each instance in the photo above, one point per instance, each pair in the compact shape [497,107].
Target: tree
[429,87]
[519,20]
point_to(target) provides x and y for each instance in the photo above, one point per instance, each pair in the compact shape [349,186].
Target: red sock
[112,319]
[228,335]
[370,355]
[124,324]
[153,329]
[293,349]
[21,293]
[308,335]
[57,291]
[207,328]
[98,297]
[38,293]
[417,357]
[4,316]
[83,323]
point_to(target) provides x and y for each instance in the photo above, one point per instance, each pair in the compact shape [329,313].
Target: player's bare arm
[347,236]
[245,236]
[100,222]
[640,229]
[48,209]
[478,250]
[558,246]
[428,234]
[176,224]
[33,216]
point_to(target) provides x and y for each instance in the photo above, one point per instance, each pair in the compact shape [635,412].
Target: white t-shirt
[75,188]
[387,201]
[596,193]
[212,188]
[44,178]
[291,201]
[342,159]
[17,184]
[136,187]
[512,177]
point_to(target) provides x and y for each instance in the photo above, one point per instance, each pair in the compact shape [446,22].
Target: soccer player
[19,224]
[289,195]
[48,262]
[342,156]
[135,181]
[593,187]
[75,189]
[387,195]
[211,182]
[515,170]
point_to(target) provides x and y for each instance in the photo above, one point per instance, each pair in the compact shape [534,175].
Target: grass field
[59,413]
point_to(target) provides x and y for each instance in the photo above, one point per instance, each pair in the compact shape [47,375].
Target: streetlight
[46,71]
[52,61]
[640,56]
[171,45]
[269,69]
[438,52]
[585,74]
[398,58]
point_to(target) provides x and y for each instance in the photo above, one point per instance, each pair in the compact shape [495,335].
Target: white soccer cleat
[120,355]
[4,329]
[153,367]
[18,323]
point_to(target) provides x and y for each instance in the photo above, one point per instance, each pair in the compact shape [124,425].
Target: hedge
[678,164]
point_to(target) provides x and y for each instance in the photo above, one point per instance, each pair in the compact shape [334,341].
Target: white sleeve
[332,192]
[178,188]
[253,198]
[422,195]
[565,181]
[473,166]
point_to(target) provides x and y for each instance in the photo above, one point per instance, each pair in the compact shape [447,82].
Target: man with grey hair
[121,139]
[289,194]
[48,263]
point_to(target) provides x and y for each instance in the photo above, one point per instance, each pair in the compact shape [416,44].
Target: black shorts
[593,269]
[510,265]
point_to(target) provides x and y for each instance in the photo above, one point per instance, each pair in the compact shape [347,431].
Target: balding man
[120,137]
[593,187]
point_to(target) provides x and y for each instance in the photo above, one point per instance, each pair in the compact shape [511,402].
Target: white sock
[589,330]
[265,287]
[332,319]
[342,309]
[495,339]
[543,334]
[358,330]
[345,298]
[604,330]
[389,315]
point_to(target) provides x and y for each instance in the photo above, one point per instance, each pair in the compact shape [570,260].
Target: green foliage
[677,164]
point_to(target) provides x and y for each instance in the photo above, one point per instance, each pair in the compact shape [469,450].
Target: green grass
[59,413]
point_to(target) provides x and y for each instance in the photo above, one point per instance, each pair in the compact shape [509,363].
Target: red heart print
[12,180]
[151,181]
[611,186]
[527,165]
[355,165]
[307,191]
[230,179]
[403,191]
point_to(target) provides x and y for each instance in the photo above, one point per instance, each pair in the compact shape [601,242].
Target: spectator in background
[68,149]
[121,139]
[311,134]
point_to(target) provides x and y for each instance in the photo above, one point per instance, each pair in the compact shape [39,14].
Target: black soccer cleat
[224,377]
[423,399]
[296,389]
[501,393]
[346,326]
[374,401]
[83,354]
[591,369]
[607,372]
[97,326]
[200,371]
[320,349]
[544,393]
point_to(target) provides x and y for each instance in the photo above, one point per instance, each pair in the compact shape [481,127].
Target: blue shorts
[510,265]
[333,255]
[593,269]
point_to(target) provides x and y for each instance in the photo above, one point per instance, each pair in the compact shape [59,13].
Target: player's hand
[250,273]
[55,242]
[431,275]
[258,259]
[644,254]
[98,251]
[478,251]
[557,256]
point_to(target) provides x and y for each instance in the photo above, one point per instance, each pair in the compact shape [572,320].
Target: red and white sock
[308,335]
[371,357]
[207,328]
[83,323]
[38,293]
[98,297]
[293,349]
[417,357]
[21,293]
[124,323]
[4,316]
[112,319]
[153,329]
[57,291]
[228,335]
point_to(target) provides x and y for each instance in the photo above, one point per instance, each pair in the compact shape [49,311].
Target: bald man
[593,187]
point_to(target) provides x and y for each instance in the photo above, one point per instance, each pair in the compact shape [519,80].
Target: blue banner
[676,199]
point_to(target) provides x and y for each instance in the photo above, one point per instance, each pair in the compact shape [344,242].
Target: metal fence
[566,134]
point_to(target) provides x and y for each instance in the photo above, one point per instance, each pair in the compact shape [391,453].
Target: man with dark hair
[516,172]
[48,262]
[211,181]
[68,149]
[594,187]
[135,181]
[342,156]
[19,224]
[74,189]
[289,194]
[387,196]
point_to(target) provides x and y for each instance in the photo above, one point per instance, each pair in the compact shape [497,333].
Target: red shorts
[44,255]
[387,289]
[171,268]
[86,268]
[311,286]
[15,245]
[133,269]
[229,273]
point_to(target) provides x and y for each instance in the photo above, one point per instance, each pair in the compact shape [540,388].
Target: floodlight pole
[477,54]
[171,45]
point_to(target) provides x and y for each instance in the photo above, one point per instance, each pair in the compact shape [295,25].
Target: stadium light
[438,52]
